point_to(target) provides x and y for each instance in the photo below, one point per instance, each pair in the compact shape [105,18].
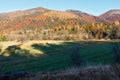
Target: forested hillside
[41,23]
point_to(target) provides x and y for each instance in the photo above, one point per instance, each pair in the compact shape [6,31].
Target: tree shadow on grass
[55,48]
[71,48]
[24,60]
[13,52]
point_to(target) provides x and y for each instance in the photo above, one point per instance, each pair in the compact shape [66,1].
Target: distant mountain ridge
[109,16]
[85,16]
[23,12]
[42,23]
[40,16]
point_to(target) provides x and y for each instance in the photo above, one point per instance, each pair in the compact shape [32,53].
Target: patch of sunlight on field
[6,54]
[4,45]
[28,45]
[44,42]
[32,50]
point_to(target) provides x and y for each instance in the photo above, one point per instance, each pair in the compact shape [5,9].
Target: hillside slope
[84,16]
[111,15]
[36,16]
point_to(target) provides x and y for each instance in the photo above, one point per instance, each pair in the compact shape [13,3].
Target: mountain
[68,14]
[61,14]
[23,13]
[84,16]
[111,15]
[42,23]
[38,17]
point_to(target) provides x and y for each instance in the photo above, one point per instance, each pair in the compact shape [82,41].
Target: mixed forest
[44,24]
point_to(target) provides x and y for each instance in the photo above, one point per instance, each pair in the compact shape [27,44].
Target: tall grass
[108,72]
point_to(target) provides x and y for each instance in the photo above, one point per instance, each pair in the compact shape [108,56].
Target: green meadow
[40,56]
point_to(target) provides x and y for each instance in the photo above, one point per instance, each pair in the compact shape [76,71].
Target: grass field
[37,56]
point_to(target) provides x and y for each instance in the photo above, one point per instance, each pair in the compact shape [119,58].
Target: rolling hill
[84,16]
[33,16]
[24,12]
[111,15]
[41,21]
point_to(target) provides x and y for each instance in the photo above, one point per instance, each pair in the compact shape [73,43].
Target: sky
[94,7]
